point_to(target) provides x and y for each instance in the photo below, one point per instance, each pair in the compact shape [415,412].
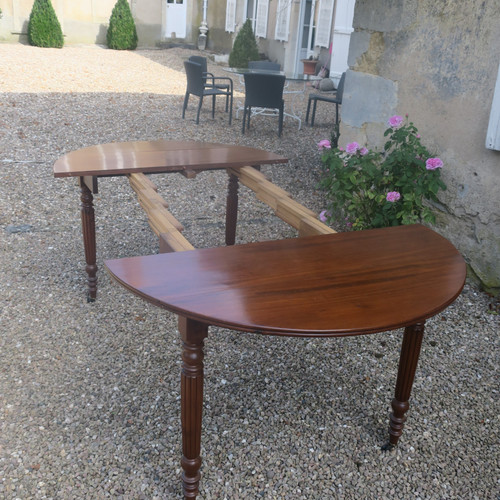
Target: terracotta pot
[309,66]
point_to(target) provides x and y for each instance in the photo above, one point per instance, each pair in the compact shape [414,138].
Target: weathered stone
[443,66]
[367,98]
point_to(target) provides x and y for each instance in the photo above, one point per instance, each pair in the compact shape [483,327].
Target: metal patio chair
[263,91]
[196,85]
[210,79]
[333,97]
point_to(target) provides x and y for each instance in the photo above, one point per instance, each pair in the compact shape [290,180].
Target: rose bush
[367,189]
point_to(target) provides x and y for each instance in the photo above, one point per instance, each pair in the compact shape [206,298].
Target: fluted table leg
[89,242]
[193,335]
[231,209]
[410,351]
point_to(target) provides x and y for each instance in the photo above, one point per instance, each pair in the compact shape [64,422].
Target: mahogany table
[122,158]
[319,286]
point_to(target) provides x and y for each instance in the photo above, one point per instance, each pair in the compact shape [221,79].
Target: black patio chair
[333,97]
[263,91]
[196,86]
[265,65]
[209,78]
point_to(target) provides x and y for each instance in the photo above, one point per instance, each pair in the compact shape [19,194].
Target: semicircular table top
[120,158]
[328,285]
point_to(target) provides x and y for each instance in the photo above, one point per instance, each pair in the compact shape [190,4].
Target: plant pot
[309,66]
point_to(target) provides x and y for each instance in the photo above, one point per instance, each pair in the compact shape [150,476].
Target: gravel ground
[89,393]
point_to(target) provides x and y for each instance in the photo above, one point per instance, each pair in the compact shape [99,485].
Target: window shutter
[493,134]
[324,25]
[282,20]
[261,21]
[230,15]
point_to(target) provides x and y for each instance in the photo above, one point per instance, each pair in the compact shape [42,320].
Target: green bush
[244,48]
[44,29]
[368,189]
[121,34]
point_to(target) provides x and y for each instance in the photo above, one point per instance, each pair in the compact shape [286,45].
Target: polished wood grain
[89,242]
[327,285]
[162,156]
[122,158]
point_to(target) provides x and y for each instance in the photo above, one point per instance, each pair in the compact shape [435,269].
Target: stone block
[368,99]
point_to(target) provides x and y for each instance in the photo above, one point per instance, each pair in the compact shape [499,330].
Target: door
[175,19]
[306,31]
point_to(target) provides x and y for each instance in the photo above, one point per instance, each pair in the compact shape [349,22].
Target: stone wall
[436,60]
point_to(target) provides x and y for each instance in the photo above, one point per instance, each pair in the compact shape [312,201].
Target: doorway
[175,19]
[306,32]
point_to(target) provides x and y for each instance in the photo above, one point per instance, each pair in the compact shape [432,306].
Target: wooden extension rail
[168,228]
[287,209]
[162,222]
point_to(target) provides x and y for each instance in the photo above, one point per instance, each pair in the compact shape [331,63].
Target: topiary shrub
[44,29]
[244,48]
[121,34]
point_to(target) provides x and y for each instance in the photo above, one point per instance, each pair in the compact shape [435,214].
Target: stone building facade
[438,61]
[86,21]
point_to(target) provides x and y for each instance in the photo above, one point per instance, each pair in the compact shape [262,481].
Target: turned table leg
[410,351]
[89,243]
[231,209]
[193,335]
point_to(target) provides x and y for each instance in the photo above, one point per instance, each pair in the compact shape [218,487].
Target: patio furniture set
[264,87]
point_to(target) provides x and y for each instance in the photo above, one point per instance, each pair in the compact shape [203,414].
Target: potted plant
[309,65]
[368,189]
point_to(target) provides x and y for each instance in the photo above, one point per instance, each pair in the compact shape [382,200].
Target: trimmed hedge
[44,29]
[121,34]
[244,48]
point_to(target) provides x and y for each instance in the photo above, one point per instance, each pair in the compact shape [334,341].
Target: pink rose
[363,151]
[324,144]
[433,163]
[395,121]
[393,196]
[323,216]
[352,147]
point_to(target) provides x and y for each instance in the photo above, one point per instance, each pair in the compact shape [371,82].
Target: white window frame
[283,20]
[324,23]
[230,16]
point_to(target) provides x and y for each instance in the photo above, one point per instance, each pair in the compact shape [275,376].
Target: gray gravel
[89,393]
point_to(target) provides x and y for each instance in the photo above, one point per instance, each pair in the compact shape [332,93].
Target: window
[493,134]
[325,16]
[230,15]
[282,20]
[261,18]
[257,11]
[250,13]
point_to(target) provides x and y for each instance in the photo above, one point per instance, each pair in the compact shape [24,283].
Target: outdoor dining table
[331,285]
[290,77]
[161,156]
